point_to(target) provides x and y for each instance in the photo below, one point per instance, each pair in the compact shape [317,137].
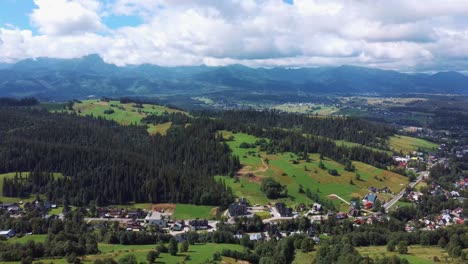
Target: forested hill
[108,163]
[338,128]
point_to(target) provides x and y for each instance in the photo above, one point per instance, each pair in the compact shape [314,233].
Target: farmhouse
[238,209]
[198,224]
[156,218]
[283,210]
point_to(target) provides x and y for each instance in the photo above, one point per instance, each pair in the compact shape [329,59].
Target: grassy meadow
[190,211]
[409,144]
[197,253]
[417,254]
[124,114]
[305,174]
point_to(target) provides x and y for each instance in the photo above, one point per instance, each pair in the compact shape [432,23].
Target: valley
[276,175]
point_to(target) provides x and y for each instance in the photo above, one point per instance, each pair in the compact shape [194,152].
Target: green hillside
[409,144]
[287,169]
[124,114]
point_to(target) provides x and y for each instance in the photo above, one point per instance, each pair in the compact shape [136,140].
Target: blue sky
[406,35]
[15,12]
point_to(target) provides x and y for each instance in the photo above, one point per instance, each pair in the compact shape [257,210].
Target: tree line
[105,163]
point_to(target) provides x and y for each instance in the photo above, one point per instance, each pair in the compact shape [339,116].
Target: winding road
[395,199]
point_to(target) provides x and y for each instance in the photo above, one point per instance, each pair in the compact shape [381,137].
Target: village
[367,211]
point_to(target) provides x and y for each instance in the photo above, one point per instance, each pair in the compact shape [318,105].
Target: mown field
[416,254]
[197,253]
[190,211]
[124,114]
[409,144]
[305,174]
[319,109]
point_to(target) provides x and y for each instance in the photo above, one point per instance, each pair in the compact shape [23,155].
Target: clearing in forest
[299,175]
[124,114]
[409,144]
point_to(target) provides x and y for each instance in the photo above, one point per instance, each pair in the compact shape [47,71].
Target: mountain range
[62,79]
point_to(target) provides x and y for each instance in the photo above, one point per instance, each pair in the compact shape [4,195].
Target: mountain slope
[90,75]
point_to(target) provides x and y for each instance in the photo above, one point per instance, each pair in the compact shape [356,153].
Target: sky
[404,35]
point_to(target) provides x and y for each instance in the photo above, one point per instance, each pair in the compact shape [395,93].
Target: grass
[417,254]
[246,158]
[26,238]
[198,253]
[303,258]
[263,214]
[305,174]
[161,128]
[353,144]
[309,108]
[124,114]
[146,206]
[190,211]
[409,144]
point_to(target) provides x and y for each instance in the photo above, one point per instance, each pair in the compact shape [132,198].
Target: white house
[256,237]
[7,233]
[156,218]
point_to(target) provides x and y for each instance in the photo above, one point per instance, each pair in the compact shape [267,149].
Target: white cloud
[65,17]
[400,34]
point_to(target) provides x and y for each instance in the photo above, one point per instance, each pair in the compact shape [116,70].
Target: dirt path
[246,170]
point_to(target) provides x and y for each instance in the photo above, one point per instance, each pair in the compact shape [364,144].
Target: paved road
[398,197]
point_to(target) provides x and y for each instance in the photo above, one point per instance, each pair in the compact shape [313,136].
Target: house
[341,215]
[237,209]
[178,225]
[133,225]
[368,205]
[283,210]
[14,209]
[113,213]
[156,218]
[198,224]
[354,212]
[7,233]
[370,197]
[256,237]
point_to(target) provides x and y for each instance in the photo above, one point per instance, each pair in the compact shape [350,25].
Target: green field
[124,114]
[306,174]
[26,238]
[319,109]
[197,253]
[29,198]
[353,144]
[417,254]
[409,144]
[190,211]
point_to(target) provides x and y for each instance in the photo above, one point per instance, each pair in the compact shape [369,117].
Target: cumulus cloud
[408,35]
[64,17]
